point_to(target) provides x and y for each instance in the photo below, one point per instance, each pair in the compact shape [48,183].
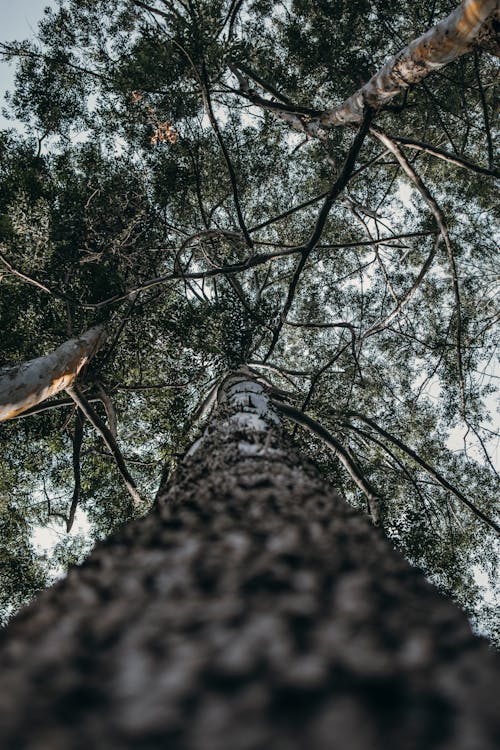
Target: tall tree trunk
[251,609]
[32,382]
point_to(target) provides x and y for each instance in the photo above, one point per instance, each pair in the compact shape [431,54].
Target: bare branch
[441,153]
[110,409]
[77,446]
[441,223]
[428,468]
[26,278]
[108,439]
[338,186]
[484,105]
[232,174]
[342,453]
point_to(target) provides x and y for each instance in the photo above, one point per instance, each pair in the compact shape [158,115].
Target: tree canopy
[176,184]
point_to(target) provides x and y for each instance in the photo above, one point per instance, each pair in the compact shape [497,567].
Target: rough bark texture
[32,382]
[473,22]
[251,609]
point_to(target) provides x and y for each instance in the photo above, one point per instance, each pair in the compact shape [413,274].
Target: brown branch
[152,387]
[319,373]
[335,190]
[232,174]
[109,408]
[154,11]
[77,446]
[26,278]
[343,454]
[443,228]
[252,261]
[484,106]
[300,118]
[51,405]
[108,439]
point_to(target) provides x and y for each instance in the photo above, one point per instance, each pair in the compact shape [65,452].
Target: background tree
[197,224]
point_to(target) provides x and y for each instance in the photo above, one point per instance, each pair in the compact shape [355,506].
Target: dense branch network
[308,291]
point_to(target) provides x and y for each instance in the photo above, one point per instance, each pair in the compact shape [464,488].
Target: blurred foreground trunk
[251,609]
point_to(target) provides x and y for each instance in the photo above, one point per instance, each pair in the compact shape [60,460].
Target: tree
[171,224]
[251,608]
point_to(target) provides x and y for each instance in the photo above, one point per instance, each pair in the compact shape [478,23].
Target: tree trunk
[251,609]
[25,386]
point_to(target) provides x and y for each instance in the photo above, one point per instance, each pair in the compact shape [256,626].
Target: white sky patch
[45,538]
[221,115]
[251,117]
[405,193]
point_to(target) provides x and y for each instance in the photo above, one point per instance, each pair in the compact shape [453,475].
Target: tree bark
[251,609]
[25,386]
[471,22]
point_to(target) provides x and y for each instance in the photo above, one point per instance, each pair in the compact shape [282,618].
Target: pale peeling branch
[470,25]
[441,153]
[452,37]
[29,384]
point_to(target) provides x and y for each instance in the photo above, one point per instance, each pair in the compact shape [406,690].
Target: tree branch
[108,439]
[441,222]
[77,446]
[343,455]
[441,153]
[428,468]
[335,190]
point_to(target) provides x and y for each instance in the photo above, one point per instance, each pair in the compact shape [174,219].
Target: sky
[19,20]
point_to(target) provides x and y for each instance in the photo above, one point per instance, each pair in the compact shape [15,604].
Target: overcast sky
[19,20]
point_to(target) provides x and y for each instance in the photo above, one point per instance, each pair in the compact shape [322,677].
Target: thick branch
[32,382]
[471,24]
[450,38]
